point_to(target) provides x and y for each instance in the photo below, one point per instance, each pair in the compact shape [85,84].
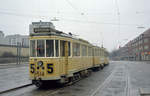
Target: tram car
[57,56]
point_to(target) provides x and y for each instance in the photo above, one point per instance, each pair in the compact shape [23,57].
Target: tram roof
[58,33]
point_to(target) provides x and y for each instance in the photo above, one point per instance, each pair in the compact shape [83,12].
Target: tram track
[107,80]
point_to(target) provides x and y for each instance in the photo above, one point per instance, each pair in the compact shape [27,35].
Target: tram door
[64,53]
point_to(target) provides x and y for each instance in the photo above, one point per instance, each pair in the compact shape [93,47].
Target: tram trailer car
[61,57]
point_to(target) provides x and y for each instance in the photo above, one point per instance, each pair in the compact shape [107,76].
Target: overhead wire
[74,7]
[118,16]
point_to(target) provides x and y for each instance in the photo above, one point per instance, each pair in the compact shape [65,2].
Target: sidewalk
[14,77]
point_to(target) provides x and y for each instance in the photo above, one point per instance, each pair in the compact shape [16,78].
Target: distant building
[15,39]
[137,49]
[1,34]
[2,38]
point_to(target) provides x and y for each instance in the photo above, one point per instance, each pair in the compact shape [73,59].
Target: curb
[12,89]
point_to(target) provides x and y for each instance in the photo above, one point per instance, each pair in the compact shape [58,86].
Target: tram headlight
[40,63]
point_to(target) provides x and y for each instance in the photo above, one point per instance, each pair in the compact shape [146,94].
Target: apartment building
[137,49]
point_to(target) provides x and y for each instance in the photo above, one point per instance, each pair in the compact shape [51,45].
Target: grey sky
[93,20]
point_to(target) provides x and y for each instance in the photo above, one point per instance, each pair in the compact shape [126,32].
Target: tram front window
[40,48]
[32,48]
[49,48]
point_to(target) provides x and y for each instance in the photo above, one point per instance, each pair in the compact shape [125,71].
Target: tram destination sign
[39,30]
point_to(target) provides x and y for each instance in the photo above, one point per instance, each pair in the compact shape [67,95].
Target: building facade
[137,49]
[2,38]
[23,40]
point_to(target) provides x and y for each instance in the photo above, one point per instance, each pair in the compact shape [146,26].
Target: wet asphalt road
[120,78]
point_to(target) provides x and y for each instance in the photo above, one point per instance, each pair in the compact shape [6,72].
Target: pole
[18,53]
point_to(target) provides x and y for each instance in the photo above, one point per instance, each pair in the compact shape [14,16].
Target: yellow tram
[61,57]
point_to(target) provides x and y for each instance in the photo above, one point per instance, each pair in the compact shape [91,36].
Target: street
[120,78]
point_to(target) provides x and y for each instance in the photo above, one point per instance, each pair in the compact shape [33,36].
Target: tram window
[95,52]
[40,48]
[100,52]
[76,49]
[62,48]
[89,51]
[49,48]
[57,48]
[32,48]
[69,50]
[84,50]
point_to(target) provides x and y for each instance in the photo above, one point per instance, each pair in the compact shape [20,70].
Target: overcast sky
[113,22]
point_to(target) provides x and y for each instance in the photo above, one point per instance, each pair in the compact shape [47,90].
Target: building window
[13,41]
[146,40]
[146,47]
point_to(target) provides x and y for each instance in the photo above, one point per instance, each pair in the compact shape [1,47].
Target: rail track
[49,92]
[110,78]
[107,80]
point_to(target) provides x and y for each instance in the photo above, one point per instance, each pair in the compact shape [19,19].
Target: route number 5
[50,68]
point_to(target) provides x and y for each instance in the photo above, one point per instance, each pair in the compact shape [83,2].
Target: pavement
[120,78]
[13,76]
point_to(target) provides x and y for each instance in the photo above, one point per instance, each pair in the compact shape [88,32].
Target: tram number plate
[39,73]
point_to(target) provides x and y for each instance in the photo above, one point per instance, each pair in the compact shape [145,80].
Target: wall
[12,50]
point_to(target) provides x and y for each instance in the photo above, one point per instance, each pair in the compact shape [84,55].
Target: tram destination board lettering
[38,30]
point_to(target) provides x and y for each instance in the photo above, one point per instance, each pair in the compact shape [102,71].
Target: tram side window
[69,50]
[76,49]
[89,51]
[57,48]
[62,48]
[40,48]
[100,52]
[84,50]
[96,52]
[32,48]
[49,48]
